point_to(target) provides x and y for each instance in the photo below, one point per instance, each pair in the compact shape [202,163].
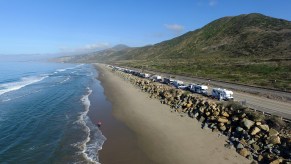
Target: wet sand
[121,144]
[164,137]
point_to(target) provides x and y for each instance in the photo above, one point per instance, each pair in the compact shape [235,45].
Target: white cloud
[86,48]
[96,46]
[175,27]
[212,2]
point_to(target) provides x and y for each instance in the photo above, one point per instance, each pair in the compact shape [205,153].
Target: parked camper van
[156,78]
[222,94]
[144,75]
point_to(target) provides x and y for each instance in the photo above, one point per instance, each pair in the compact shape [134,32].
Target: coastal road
[254,97]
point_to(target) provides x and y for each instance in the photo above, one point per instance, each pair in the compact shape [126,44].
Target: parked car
[197,88]
[190,87]
[168,81]
[182,86]
[201,89]
[178,83]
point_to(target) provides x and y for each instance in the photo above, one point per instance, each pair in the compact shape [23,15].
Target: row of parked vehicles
[216,93]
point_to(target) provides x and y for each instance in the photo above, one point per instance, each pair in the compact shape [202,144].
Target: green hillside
[251,49]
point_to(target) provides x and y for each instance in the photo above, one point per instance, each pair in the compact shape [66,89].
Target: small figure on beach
[99,123]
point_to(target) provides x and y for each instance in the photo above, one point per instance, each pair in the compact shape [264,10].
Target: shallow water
[43,113]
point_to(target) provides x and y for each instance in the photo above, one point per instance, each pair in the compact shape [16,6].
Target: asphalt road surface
[252,96]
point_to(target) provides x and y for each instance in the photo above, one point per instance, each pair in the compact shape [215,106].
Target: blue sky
[54,26]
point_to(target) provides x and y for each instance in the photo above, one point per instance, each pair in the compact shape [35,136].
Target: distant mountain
[94,56]
[243,35]
[119,47]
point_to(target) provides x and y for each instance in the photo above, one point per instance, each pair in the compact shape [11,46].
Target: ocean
[43,113]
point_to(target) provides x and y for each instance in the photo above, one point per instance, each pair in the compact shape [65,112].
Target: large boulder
[277,161]
[260,158]
[222,119]
[222,127]
[264,127]
[255,147]
[215,113]
[234,118]
[201,119]
[225,114]
[201,109]
[247,123]
[239,129]
[207,113]
[251,141]
[196,114]
[243,115]
[273,132]
[243,141]
[188,105]
[239,146]
[255,131]
[274,140]
[244,152]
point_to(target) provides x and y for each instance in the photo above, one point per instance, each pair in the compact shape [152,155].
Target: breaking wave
[12,86]
[94,138]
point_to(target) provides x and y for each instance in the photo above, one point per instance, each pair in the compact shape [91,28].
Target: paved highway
[242,93]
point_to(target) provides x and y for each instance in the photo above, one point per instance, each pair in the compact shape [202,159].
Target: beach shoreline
[120,145]
[163,136]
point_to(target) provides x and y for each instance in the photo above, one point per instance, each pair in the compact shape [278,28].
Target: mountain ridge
[245,34]
[250,48]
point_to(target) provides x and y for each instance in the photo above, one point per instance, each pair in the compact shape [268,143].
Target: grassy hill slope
[251,49]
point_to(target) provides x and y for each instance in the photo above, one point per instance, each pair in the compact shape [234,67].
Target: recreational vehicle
[156,78]
[144,75]
[222,94]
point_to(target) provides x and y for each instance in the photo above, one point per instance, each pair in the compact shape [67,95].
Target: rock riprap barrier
[257,137]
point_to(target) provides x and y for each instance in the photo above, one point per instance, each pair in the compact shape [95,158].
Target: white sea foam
[25,81]
[64,69]
[61,70]
[90,146]
[68,78]
[14,98]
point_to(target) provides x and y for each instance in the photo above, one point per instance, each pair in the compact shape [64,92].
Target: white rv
[156,78]
[144,75]
[222,94]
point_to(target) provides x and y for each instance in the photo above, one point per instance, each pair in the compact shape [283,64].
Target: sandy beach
[121,143]
[163,136]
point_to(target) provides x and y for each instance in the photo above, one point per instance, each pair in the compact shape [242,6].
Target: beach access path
[164,136]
